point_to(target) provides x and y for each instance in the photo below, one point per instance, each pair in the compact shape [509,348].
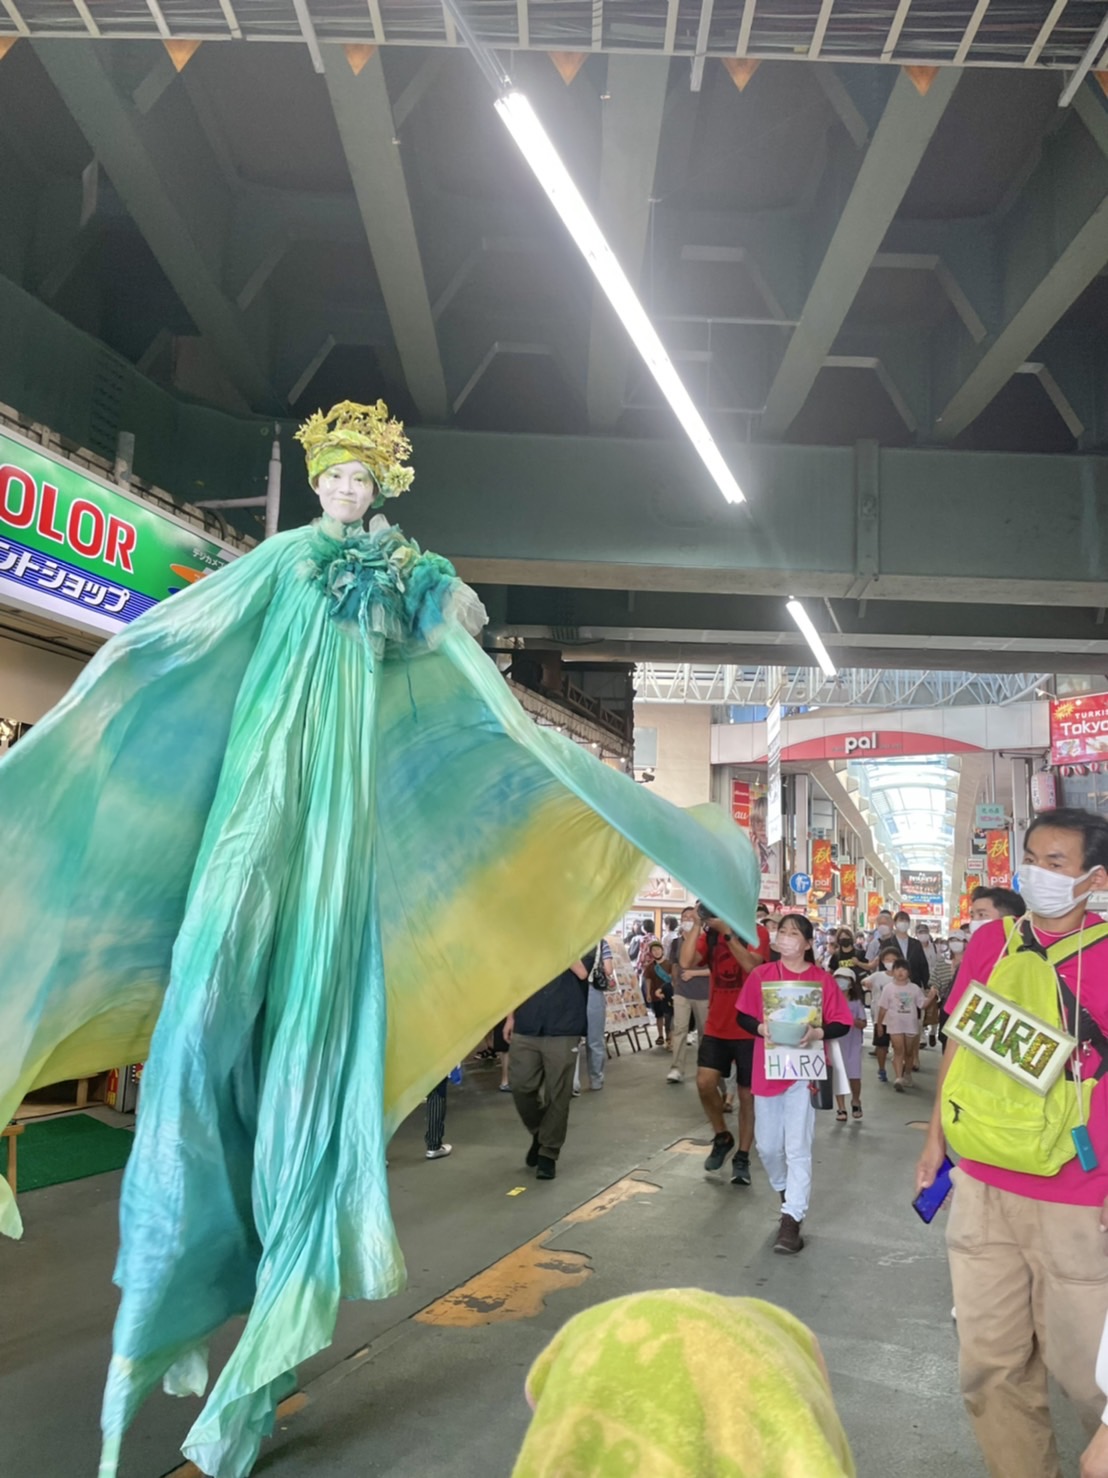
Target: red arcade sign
[874,743]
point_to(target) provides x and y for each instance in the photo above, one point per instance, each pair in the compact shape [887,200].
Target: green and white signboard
[85,552]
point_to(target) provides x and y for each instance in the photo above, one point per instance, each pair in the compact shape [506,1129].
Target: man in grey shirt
[690,997]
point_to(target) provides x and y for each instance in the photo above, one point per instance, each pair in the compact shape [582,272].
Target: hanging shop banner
[963,910]
[999,860]
[742,796]
[990,817]
[848,884]
[1044,791]
[823,877]
[85,552]
[774,823]
[874,904]
[1079,729]
[920,886]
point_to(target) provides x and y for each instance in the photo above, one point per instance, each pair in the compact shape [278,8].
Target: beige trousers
[684,1013]
[1031,1289]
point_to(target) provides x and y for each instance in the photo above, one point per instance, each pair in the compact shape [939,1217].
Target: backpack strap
[1085,1026]
[1065,949]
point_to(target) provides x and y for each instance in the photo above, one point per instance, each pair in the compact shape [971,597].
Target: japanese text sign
[998,859]
[848,883]
[822,875]
[88,553]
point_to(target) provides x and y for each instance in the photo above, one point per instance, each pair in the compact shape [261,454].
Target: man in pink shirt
[1028,1257]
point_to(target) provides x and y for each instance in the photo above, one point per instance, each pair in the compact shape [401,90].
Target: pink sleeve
[750,997]
[984,950]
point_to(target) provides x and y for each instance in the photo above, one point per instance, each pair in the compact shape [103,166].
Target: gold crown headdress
[359,433]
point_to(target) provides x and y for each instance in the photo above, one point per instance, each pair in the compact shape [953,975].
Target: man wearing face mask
[994,903]
[1028,1256]
[881,935]
[724,1041]
[918,968]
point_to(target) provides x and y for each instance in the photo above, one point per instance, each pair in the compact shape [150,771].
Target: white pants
[783,1127]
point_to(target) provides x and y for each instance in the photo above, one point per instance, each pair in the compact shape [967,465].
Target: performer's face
[346,492]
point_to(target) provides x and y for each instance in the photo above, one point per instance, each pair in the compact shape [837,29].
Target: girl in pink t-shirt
[784,1113]
[900,1012]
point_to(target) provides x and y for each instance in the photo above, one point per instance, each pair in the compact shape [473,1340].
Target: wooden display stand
[11,1133]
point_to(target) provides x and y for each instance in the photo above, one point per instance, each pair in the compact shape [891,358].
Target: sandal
[856,1111]
[840,1115]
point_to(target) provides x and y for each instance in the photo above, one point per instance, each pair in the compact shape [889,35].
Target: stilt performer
[291,841]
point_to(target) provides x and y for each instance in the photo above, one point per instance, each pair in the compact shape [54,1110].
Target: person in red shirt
[785,1117]
[724,1041]
[1027,1251]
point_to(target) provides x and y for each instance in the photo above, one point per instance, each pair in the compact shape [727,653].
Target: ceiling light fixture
[812,637]
[534,143]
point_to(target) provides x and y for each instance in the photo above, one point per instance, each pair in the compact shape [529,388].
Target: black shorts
[718,1053]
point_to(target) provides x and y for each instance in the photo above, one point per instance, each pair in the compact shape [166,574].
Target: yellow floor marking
[608,1200]
[516,1287]
[517,1190]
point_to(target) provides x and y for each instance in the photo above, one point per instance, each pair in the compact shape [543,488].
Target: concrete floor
[631,1208]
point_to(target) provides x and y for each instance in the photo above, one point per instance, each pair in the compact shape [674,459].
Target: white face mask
[883,931]
[901,928]
[790,944]
[1050,894]
[687,926]
[976,924]
[956,945]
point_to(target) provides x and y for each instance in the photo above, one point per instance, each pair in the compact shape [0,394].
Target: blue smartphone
[928,1203]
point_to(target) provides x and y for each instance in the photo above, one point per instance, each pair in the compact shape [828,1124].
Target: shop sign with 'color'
[1021,1045]
[85,552]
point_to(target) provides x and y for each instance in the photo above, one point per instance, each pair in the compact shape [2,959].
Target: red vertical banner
[740,803]
[998,854]
[848,884]
[963,910]
[822,874]
[873,908]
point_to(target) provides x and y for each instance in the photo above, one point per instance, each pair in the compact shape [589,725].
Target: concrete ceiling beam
[1049,247]
[887,168]
[182,228]
[631,132]
[367,129]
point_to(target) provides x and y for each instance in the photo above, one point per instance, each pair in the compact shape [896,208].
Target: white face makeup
[346,492]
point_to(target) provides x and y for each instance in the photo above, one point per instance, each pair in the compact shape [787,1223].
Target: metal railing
[729,685]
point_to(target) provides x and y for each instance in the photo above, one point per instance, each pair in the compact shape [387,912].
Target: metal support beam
[1053,243]
[886,171]
[365,122]
[140,159]
[631,132]
[703,32]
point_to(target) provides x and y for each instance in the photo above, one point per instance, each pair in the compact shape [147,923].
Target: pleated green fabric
[291,841]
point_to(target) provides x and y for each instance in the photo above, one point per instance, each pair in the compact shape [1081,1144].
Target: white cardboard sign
[796,1064]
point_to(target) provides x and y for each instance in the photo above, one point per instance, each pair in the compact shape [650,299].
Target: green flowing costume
[291,841]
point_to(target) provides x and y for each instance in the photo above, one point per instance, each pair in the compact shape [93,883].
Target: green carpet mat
[53,1151]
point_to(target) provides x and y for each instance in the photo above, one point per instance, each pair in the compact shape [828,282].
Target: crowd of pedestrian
[1026,971]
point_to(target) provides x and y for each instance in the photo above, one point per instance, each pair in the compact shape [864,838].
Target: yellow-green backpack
[993,1118]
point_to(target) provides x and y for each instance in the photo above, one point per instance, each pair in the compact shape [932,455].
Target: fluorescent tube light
[812,637]
[534,143]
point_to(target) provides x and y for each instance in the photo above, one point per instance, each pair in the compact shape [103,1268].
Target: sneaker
[533,1153]
[577,1093]
[596,1087]
[722,1145]
[882,1076]
[789,1239]
[673,1076]
[504,1088]
[899,1085]
[439,1154]
[740,1169]
[691,1039]
[547,1168]
[907,1080]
